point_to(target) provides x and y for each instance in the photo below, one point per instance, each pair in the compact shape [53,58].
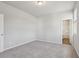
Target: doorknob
[2,34]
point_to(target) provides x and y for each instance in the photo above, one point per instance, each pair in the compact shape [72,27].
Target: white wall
[40,28]
[19,27]
[76,32]
[77,40]
[51,27]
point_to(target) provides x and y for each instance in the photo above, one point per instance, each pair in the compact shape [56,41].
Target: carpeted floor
[40,49]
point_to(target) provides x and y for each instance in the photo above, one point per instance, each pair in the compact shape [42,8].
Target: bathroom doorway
[66,32]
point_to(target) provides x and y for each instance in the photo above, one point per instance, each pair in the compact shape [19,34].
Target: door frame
[2,34]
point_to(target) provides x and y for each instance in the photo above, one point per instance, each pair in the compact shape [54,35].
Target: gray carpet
[40,49]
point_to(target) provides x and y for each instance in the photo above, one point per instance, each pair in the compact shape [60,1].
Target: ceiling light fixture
[39,2]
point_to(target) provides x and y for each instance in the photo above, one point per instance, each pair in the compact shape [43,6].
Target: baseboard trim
[18,45]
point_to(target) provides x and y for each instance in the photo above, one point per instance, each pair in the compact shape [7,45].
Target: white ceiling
[48,8]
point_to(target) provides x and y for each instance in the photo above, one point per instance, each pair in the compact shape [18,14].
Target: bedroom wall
[51,26]
[19,26]
[76,34]
[40,28]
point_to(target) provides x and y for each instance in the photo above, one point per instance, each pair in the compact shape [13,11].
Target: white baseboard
[18,45]
[49,41]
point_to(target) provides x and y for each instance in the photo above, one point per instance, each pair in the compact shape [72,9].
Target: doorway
[66,31]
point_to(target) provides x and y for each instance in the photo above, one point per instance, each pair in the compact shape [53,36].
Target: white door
[1,32]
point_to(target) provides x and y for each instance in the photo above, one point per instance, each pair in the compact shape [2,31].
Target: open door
[1,32]
[66,31]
